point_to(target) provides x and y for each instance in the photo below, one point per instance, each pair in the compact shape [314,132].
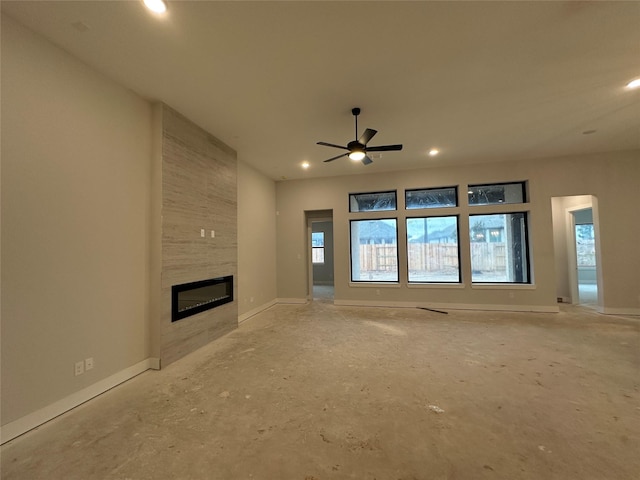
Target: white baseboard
[297,301]
[276,301]
[255,311]
[618,311]
[451,306]
[29,422]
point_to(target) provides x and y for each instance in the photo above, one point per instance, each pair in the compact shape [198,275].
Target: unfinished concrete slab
[324,392]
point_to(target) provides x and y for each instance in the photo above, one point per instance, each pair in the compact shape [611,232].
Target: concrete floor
[316,392]
[588,294]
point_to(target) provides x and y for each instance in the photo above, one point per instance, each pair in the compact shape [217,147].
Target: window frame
[397,264]
[432,282]
[524,241]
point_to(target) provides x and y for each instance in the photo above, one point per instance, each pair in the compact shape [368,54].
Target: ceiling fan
[357,149]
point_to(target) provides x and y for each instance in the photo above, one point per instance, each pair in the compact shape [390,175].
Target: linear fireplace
[195,297]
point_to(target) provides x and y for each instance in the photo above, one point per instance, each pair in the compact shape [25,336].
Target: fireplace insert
[190,298]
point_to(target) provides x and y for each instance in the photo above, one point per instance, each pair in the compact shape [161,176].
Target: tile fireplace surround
[199,194]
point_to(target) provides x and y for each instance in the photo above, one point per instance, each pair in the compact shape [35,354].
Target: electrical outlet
[79,368]
[88,364]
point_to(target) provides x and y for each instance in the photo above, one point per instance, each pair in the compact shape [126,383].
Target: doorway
[585,255]
[320,266]
[576,247]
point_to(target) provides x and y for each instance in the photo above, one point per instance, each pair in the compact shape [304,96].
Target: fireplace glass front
[190,298]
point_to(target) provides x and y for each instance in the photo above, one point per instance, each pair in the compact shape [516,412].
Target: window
[317,247]
[432,249]
[431,198]
[499,248]
[372,202]
[374,250]
[497,193]
[586,245]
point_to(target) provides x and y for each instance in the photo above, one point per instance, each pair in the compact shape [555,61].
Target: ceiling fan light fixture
[357,149]
[357,155]
[156,6]
[633,84]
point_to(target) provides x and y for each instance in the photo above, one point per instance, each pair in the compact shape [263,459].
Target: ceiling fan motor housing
[355,145]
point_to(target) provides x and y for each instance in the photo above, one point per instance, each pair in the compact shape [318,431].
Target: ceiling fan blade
[367,135]
[384,148]
[366,161]
[335,158]
[332,145]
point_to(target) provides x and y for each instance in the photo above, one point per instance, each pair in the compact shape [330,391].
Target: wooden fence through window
[432,257]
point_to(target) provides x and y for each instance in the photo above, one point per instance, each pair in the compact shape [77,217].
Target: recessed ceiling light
[433,152]
[156,6]
[633,84]
[305,165]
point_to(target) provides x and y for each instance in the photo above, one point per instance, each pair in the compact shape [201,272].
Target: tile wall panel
[199,190]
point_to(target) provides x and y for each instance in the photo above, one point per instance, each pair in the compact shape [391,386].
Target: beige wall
[103,199]
[101,192]
[256,241]
[613,178]
[75,224]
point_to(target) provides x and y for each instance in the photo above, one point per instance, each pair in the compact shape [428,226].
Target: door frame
[572,252]
[314,216]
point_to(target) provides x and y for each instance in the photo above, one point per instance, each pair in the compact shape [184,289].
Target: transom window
[497,193]
[372,202]
[431,198]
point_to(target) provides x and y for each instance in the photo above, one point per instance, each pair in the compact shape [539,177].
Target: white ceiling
[482,81]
